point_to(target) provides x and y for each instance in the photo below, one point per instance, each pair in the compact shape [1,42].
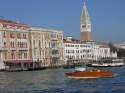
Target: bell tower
[85,25]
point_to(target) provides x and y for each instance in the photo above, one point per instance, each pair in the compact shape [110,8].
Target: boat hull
[89,74]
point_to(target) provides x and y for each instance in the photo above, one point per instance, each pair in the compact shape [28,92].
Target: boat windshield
[80,68]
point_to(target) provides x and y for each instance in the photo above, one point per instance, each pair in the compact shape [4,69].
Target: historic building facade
[46,46]
[14,42]
[24,47]
[82,52]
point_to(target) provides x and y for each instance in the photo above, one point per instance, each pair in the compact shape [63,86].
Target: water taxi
[89,74]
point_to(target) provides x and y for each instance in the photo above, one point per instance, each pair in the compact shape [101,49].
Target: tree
[112,47]
[121,52]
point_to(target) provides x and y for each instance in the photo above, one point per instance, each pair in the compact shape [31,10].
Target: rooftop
[6,22]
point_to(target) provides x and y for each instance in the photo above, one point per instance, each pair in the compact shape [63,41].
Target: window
[4,34]
[53,44]
[83,56]
[18,35]
[83,26]
[18,44]
[12,44]
[40,52]
[5,55]
[20,55]
[106,51]
[11,35]
[5,44]
[53,35]
[34,43]
[13,55]
[49,45]
[24,36]
[22,44]
[39,44]
[25,55]
[26,45]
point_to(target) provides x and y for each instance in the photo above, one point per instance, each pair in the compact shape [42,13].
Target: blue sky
[107,16]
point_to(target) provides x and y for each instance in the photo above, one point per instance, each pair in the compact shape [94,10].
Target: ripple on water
[55,81]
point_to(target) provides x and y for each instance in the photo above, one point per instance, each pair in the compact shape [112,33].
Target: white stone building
[90,51]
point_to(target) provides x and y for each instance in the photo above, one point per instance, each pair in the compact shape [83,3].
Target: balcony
[12,48]
[23,48]
[55,55]
[4,48]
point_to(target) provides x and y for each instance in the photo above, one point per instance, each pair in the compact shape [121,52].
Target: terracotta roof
[12,23]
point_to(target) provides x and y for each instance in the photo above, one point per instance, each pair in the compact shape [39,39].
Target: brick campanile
[85,25]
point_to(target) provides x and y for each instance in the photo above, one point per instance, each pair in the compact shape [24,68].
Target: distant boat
[108,63]
[89,74]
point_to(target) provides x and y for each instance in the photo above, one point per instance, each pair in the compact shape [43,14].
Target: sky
[107,16]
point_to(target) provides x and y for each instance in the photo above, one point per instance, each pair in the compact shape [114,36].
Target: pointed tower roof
[85,18]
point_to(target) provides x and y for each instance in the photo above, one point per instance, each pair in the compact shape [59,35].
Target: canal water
[55,81]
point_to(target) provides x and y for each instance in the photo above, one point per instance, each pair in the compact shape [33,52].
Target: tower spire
[85,24]
[84,2]
[84,6]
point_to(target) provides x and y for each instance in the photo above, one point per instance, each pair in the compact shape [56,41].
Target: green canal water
[55,81]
